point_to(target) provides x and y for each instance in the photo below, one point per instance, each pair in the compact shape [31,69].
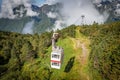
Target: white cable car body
[56,54]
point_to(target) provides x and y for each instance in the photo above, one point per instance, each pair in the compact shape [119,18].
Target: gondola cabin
[56,54]
[56,59]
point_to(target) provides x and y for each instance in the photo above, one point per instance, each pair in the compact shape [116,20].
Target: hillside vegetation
[91,52]
[104,57]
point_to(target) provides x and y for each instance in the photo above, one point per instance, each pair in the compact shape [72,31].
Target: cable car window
[55,63]
[55,56]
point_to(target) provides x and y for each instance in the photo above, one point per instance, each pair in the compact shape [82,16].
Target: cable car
[56,54]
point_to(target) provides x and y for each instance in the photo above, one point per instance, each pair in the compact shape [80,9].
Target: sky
[0,4]
[39,2]
[0,1]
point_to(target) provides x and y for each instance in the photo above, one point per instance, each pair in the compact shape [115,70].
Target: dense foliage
[12,24]
[16,50]
[26,56]
[105,49]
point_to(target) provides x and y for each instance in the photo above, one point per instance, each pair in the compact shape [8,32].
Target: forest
[27,56]
[105,50]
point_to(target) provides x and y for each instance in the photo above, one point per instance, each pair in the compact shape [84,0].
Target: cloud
[52,15]
[96,1]
[58,25]
[117,12]
[73,11]
[8,5]
[50,2]
[28,28]
[31,13]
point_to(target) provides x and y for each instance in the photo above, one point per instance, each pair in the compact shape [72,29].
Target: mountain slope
[90,53]
[42,21]
[105,50]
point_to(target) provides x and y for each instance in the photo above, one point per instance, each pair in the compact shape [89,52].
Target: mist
[73,11]
[28,28]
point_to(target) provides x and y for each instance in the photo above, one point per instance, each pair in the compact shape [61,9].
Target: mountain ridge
[22,19]
[45,23]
